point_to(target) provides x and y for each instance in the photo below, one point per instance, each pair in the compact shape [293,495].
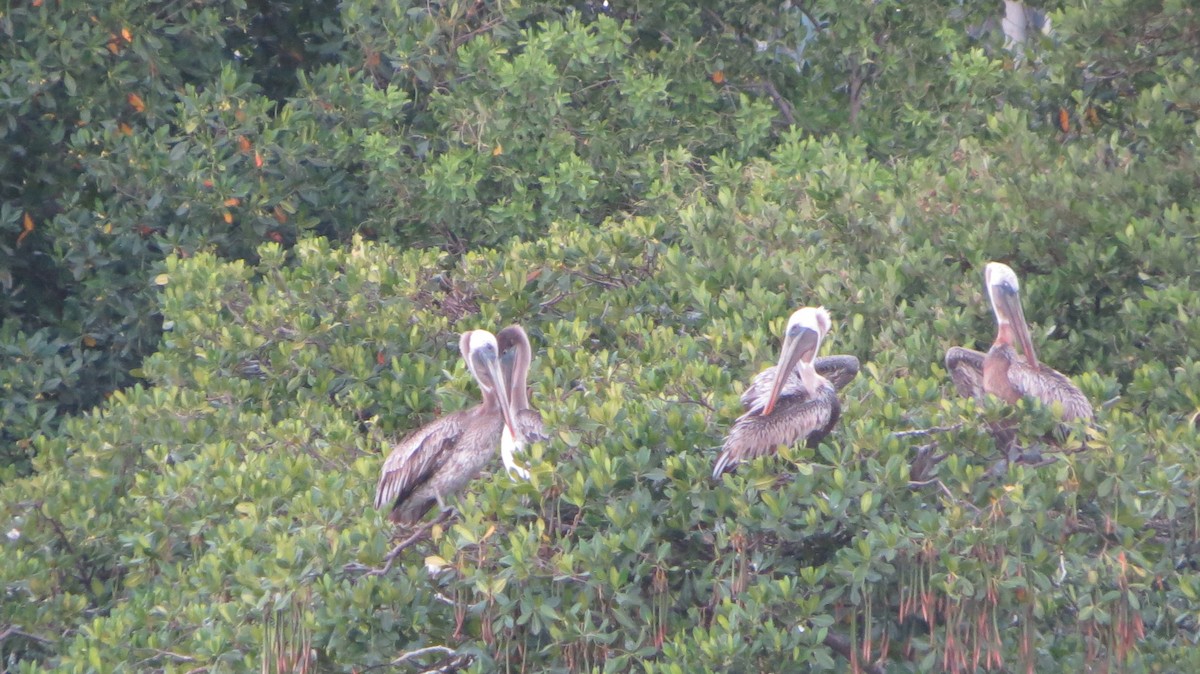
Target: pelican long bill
[503,392]
[799,343]
[1005,294]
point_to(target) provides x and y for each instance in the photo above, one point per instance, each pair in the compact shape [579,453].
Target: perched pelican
[442,456]
[515,357]
[1001,371]
[802,404]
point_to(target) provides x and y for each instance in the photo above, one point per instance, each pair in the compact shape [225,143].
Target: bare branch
[924,461]
[921,432]
[405,657]
[355,567]
[784,105]
[452,662]
[945,490]
[16,631]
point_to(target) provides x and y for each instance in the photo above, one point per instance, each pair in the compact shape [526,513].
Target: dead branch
[355,567]
[945,490]
[16,631]
[405,657]
[922,432]
[784,105]
[924,461]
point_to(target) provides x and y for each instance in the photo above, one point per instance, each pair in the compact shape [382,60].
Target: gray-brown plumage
[515,358]
[839,370]
[443,456]
[801,406]
[1001,371]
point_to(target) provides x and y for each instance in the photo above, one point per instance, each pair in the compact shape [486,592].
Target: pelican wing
[795,417]
[529,423]
[415,459]
[1050,386]
[966,370]
[839,370]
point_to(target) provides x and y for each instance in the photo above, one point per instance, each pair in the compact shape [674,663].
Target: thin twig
[405,657]
[921,432]
[16,631]
[687,401]
[450,665]
[946,490]
[462,39]
[552,301]
[784,105]
[160,653]
[452,662]
[404,545]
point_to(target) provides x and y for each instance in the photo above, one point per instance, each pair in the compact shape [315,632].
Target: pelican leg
[444,511]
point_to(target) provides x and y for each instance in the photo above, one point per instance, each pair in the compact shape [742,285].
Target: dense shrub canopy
[275,220]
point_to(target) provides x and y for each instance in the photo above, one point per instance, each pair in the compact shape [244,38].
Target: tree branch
[921,432]
[16,631]
[355,567]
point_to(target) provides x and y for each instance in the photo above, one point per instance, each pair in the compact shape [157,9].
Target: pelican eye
[1008,287]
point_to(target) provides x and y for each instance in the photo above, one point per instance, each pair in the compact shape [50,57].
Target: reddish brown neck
[1004,335]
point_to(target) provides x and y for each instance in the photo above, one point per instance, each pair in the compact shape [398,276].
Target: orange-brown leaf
[114,46]
[228,218]
[127,35]
[258,162]
[243,143]
[89,341]
[26,228]
[136,102]
[718,77]
[1064,120]
[280,216]
[232,201]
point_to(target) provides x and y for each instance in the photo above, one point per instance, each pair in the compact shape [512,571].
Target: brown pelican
[515,357]
[1001,371]
[442,456]
[801,404]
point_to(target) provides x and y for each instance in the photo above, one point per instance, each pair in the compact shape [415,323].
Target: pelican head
[482,353]
[1004,291]
[515,354]
[805,330]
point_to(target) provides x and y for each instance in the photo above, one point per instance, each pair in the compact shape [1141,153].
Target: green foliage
[128,136]
[667,222]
